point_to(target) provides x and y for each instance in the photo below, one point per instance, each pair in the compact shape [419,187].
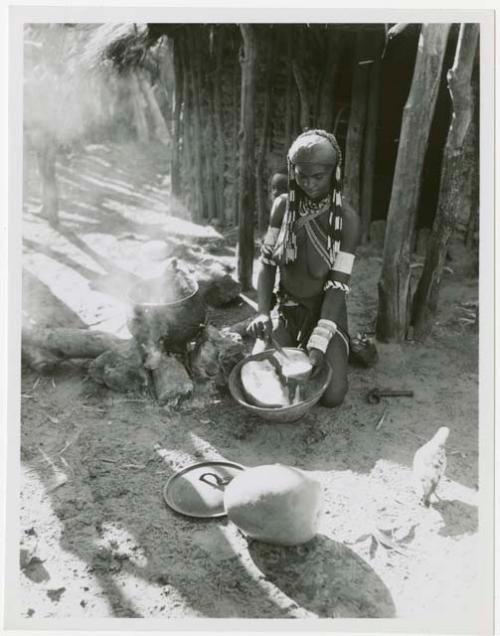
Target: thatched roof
[125,45]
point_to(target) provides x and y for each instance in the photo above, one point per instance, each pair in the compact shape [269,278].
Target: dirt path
[94,463]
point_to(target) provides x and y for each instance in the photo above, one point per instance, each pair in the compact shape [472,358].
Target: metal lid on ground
[198,489]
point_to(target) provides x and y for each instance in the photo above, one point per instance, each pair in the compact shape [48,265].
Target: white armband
[321,335]
[343,262]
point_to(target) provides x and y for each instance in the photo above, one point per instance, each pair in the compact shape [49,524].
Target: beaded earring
[290,247]
[335,218]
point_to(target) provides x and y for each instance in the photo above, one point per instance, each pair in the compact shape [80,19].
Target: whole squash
[275,504]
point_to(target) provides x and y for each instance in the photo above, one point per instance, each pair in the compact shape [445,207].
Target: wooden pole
[305,105]
[301,82]
[46,153]
[140,121]
[187,129]
[235,137]
[289,131]
[261,189]
[176,145]
[66,343]
[204,69]
[473,164]
[394,283]
[357,122]
[326,97]
[163,88]
[219,126]
[452,189]
[376,43]
[246,204]
[161,130]
[473,221]
[296,112]
[197,132]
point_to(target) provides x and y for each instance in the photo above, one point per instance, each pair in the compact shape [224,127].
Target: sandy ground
[97,539]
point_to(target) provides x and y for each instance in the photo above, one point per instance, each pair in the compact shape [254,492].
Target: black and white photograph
[249,321]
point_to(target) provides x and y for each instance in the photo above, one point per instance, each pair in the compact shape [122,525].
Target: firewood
[217,286]
[171,380]
[239,327]
[44,348]
[120,369]
[215,356]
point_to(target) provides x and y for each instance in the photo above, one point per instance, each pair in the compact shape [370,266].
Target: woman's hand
[316,358]
[261,327]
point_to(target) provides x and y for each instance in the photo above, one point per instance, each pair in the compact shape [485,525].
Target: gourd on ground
[274,503]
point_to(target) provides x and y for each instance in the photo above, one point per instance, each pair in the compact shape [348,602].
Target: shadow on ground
[326,578]
[458,517]
[115,477]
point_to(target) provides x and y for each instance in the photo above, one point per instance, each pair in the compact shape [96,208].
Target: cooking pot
[165,326]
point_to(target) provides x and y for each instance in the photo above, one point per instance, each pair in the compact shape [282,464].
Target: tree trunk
[198,141]
[261,189]
[140,121]
[176,145]
[161,130]
[246,205]
[219,126]
[394,283]
[376,45]
[453,181]
[357,122]
[46,152]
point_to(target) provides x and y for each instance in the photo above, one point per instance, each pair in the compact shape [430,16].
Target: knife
[279,348]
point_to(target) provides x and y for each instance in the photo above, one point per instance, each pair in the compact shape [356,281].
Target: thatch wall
[306,76]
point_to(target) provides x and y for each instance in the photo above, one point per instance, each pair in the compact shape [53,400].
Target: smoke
[65,96]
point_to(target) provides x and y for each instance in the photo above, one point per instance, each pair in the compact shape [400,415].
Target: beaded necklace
[298,206]
[307,206]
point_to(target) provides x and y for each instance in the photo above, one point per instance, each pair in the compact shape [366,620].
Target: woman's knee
[334,395]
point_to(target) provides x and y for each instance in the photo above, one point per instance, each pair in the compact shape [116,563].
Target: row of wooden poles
[223,138]
[397,308]
[230,116]
[227,122]
[235,150]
